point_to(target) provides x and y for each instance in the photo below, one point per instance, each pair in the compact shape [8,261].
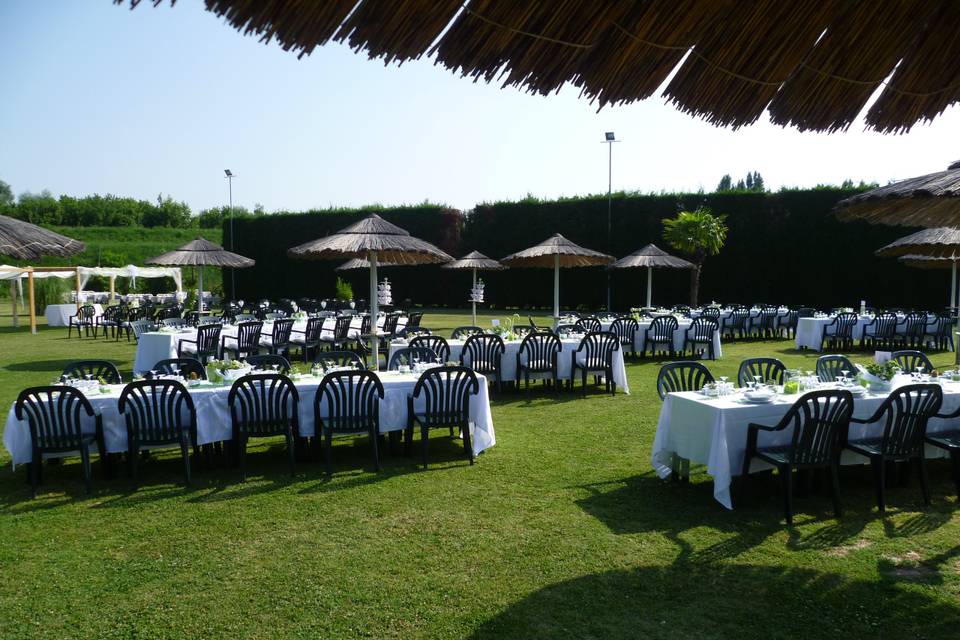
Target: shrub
[343,289]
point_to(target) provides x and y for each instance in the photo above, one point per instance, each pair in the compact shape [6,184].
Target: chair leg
[34,474]
[467,443]
[835,488]
[375,445]
[879,481]
[185,453]
[242,457]
[328,450]
[924,479]
[786,478]
[424,440]
[291,452]
[133,459]
[85,460]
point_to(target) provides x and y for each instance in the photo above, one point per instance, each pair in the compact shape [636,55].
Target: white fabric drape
[133,272]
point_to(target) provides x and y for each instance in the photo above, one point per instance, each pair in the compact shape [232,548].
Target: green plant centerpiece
[505,328]
[226,370]
[879,375]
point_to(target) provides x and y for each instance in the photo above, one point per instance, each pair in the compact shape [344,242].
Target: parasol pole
[33,308]
[13,299]
[374,311]
[556,288]
[953,286]
[77,272]
[475,287]
[649,285]
[199,292]
[113,288]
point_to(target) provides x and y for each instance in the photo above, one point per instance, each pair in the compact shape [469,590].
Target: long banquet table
[509,362]
[679,335]
[810,330]
[213,414]
[713,431]
[58,315]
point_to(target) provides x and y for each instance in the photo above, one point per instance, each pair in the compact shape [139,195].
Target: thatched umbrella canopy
[25,241]
[372,238]
[931,243]
[475,261]
[201,253]
[652,257]
[932,200]
[938,262]
[362,263]
[556,251]
[812,65]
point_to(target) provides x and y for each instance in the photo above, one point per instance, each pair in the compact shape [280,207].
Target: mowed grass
[561,530]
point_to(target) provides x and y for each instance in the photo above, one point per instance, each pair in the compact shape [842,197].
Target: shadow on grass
[723,601]
[56,366]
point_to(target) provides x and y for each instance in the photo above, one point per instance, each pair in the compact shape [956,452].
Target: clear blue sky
[100,99]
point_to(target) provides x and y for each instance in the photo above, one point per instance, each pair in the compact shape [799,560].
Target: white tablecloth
[810,331]
[713,431]
[58,315]
[213,415]
[509,362]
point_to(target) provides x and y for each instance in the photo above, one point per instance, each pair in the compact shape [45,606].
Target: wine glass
[845,373]
[757,380]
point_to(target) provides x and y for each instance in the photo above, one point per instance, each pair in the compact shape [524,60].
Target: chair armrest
[763,427]
[955,414]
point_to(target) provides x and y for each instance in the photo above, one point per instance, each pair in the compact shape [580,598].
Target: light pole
[233,280]
[609,140]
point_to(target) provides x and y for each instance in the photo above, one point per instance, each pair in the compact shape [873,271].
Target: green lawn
[560,530]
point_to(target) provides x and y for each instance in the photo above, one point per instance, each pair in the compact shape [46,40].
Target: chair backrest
[944,325]
[328,359]
[182,367]
[482,353]
[831,367]
[365,324]
[738,318]
[352,401]
[465,332]
[413,320]
[844,323]
[390,323]
[820,420]
[341,330]
[770,370]
[768,317]
[437,344]
[267,361]
[142,326]
[589,324]
[682,376]
[175,323]
[661,328]
[625,329]
[248,335]
[314,328]
[446,395]
[909,360]
[884,325]
[87,312]
[597,348]
[158,410]
[710,312]
[94,368]
[263,404]
[915,324]
[280,333]
[54,414]
[208,338]
[906,411]
[406,355]
[702,329]
[539,350]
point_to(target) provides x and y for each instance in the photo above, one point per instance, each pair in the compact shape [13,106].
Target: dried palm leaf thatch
[651,256]
[202,253]
[545,253]
[362,263]
[25,241]
[372,234]
[475,260]
[932,200]
[932,243]
[929,262]
[814,64]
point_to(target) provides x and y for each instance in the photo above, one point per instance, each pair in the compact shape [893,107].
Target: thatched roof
[373,233]
[813,64]
[927,262]
[26,241]
[202,253]
[475,260]
[651,256]
[363,263]
[943,241]
[571,255]
[932,200]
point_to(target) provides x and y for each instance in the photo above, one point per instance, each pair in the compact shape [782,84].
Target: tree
[726,183]
[749,181]
[758,182]
[6,193]
[699,234]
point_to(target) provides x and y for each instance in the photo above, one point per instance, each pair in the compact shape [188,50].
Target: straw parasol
[932,200]
[475,261]
[557,252]
[26,241]
[652,257]
[940,262]
[930,243]
[372,238]
[201,253]
[362,263]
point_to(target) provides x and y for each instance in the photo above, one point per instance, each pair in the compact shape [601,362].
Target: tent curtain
[133,272]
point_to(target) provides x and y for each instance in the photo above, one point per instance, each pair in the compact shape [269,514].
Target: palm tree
[699,234]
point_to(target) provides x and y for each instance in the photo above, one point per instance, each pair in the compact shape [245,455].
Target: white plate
[758,399]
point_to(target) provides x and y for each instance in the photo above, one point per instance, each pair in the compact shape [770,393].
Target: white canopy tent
[130,271]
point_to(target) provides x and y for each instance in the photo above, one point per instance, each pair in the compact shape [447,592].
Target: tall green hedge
[782,247]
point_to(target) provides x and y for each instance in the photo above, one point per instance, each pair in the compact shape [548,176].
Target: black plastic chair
[909,360]
[910,332]
[787,323]
[181,367]
[328,359]
[879,332]
[831,367]
[939,334]
[626,330]
[337,341]
[55,417]
[484,354]
[905,414]
[764,325]
[263,405]
[112,320]
[278,342]
[589,324]
[538,354]
[682,376]
[735,325]
[597,349]
[818,422]
[700,333]
[838,333]
[85,318]
[406,355]
[660,332]
[949,440]
[308,340]
[352,401]
[437,344]
[446,395]
[770,370]
[138,327]
[266,362]
[157,413]
[205,347]
[245,343]
[173,323]
[96,369]
[462,333]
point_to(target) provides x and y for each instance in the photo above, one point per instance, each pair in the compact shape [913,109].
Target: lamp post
[609,139]
[233,280]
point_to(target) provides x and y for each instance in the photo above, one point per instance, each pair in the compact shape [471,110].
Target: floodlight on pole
[609,139]
[233,281]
